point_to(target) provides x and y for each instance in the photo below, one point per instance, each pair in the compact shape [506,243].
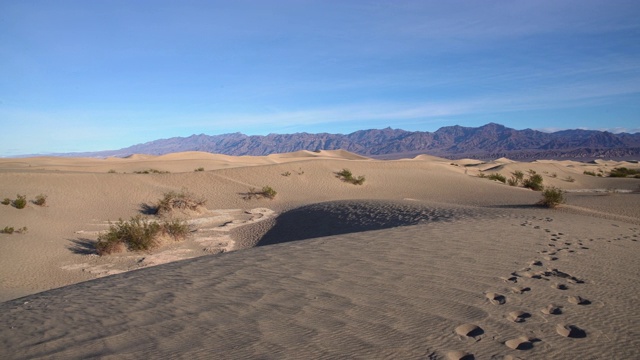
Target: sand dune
[424,260]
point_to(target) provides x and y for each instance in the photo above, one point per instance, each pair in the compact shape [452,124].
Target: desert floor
[424,260]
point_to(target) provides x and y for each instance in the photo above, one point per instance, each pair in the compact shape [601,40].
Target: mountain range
[485,142]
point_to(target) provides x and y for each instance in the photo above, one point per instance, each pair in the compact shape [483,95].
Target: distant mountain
[484,142]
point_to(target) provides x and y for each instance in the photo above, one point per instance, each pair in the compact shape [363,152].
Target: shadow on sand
[82,246]
[351,216]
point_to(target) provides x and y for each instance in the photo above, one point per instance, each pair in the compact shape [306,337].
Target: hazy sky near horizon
[99,75]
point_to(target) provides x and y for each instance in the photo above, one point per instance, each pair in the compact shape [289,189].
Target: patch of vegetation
[516,178]
[287,173]
[41,200]
[6,201]
[11,230]
[346,176]
[531,172]
[7,230]
[589,173]
[138,234]
[183,200]
[552,197]
[624,172]
[151,171]
[266,192]
[498,177]
[199,169]
[534,182]
[554,175]
[20,202]
[111,171]
[300,171]
[482,175]
[569,179]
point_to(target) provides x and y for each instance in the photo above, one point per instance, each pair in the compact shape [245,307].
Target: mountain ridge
[488,141]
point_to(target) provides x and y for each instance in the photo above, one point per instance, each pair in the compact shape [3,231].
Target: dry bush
[498,177]
[138,234]
[534,182]
[183,200]
[41,200]
[6,201]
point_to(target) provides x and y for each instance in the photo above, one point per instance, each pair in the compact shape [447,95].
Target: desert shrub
[346,176]
[498,177]
[151,171]
[20,202]
[300,171]
[482,175]
[111,171]
[623,172]
[7,230]
[287,173]
[175,228]
[199,169]
[518,175]
[589,173]
[552,197]
[6,201]
[512,181]
[569,179]
[266,192]
[554,175]
[534,182]
[183,200]
[531,172]
[138,234]
[22,230]
[40,200]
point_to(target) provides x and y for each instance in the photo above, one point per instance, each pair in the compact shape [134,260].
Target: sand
[425,260]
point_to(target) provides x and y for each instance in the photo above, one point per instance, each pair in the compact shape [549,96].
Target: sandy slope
[405,266]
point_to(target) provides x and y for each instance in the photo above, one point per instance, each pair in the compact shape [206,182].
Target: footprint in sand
[469,330]
[520,289]
[459,355]
[559,286]
[570,331]
[520,343]
[577,300]
[496,299]
[552,310]
[518,316]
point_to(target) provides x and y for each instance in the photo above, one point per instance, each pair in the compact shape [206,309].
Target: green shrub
[534,182]
[22,230]
[151,171]
[20,202]
[589,173]
[6,201]
[199,169]
[482,175]
[7,230]
[138,234]
[40,200]
[531,172]
[498,177]
[518,175]
[623,172]
[183,200]
[512,181]
[266,192]
[111,171]
[346,176]
[552,197]
[287,173]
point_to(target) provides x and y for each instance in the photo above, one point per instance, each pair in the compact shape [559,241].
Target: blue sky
[98,75]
